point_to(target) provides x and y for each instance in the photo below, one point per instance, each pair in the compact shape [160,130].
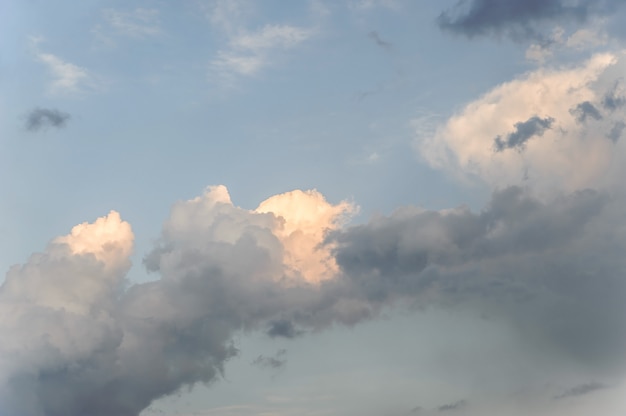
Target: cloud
[519,19]
[78,340]
[536,265]
[375,37]
[524,130]
[615,98]
[616,131]
[569,155]
[283,328]
[584,110]
[248,53]
[228,15]
[276,362]
[138,23]
[581,390]
[68,78]
[452,406]
[367,5]
[41,118]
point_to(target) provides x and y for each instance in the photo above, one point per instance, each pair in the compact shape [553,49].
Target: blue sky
[442,229]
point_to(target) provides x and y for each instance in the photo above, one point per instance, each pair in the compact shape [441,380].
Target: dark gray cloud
[373,35]
[275,362]
[283,328]
[581,390]
[584,110]
[616,131]
[552,270]
[614,98]
[42,118]
[517,18]
[524,131]
[452,406]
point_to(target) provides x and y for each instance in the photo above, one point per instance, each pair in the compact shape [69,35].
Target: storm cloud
[524,131]
[517,18]
[42,118]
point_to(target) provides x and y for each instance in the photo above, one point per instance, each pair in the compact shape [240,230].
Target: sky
[352,207]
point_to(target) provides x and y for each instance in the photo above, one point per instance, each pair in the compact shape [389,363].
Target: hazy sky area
[338,208]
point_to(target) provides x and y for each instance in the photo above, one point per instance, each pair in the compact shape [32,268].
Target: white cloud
[67,78]
[249,52]
[567,153]
[306,218]
[228,15]
[137,23]
[586,39]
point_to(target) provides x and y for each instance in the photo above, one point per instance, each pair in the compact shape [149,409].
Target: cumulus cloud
[77,340]
[569,155]
[517,18]
[41,118]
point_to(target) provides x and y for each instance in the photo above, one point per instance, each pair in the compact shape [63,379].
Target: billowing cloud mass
[77,341]
[517,18]
[554,117]
[41,118]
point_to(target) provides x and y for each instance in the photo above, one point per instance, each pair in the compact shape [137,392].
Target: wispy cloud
[581,390]
[42,118]
[365,5]
[249,52]
[375,37]
[275,362]
[452,406]
[136,23]
[67,78]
